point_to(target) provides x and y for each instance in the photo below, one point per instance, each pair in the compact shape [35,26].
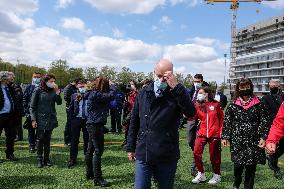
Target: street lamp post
[225,56]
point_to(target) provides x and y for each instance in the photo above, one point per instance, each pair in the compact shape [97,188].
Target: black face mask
[274,90]
[246,92]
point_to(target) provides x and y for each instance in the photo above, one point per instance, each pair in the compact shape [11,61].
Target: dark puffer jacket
[43,110]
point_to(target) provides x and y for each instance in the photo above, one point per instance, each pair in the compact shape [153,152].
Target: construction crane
[234,7]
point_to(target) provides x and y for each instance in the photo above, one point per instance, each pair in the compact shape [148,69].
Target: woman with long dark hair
[245,128]
[44,117]
[98,108]
[211,117]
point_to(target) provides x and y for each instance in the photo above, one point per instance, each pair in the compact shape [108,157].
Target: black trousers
[249,175]
[7,123]
[78,124]
[115,115]
[19,128]
[67,130]
[43,144]
[95,150]
[278,153]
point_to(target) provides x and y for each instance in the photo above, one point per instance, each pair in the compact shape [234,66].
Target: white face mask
[201,97]
[132,87]
[50,85]
[197,85]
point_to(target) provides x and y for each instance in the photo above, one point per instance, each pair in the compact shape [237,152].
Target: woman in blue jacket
[98,108]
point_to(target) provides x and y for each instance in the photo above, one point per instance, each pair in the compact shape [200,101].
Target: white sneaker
[200,177]
[215,179]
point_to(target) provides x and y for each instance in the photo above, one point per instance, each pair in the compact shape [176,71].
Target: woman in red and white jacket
[276,131]
[211,117]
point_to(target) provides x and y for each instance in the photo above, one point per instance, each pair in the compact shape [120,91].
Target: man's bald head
[163,66]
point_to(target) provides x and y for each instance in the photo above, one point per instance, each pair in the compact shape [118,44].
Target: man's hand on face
[171,79]
[131,156]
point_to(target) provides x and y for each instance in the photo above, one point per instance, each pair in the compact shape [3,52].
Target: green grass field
[116,168]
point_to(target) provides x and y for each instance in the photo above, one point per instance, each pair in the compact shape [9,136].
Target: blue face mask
[160,85]
[36,81]
[82,90]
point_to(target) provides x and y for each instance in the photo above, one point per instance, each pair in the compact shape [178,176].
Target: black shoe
[11,157]
[39,164]
[47,163]
[101,182]
[278,174]
[235,186]
[89,177]
[32,150]
[71,163]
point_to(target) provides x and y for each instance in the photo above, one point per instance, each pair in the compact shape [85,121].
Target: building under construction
[260,53]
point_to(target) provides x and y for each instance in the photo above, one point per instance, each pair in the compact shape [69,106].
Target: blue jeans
[164,174]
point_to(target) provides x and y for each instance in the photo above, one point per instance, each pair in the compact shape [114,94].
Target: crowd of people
[151,114]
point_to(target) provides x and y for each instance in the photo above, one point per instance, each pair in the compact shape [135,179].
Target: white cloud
[15,15]
[210,42]
[212,70]
[190,53]
[74,23]
[32,47]
[165,20]
[118,51]
[181,69]
[279,4]
[64,3]
[126,6]
[19,7]
[191,3]
[117,33]
[10,23]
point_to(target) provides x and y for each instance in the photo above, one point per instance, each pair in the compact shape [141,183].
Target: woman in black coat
[44,116]
[98,108]
[246,129]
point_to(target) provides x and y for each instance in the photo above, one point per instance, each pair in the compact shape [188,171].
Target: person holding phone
[44,117]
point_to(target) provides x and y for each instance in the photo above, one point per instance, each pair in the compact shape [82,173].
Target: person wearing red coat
[276,131]
[211,118]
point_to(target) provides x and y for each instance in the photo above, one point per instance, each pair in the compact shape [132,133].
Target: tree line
[64,74]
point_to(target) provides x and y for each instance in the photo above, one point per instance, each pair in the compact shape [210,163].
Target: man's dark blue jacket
[74,107]
[153,132]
